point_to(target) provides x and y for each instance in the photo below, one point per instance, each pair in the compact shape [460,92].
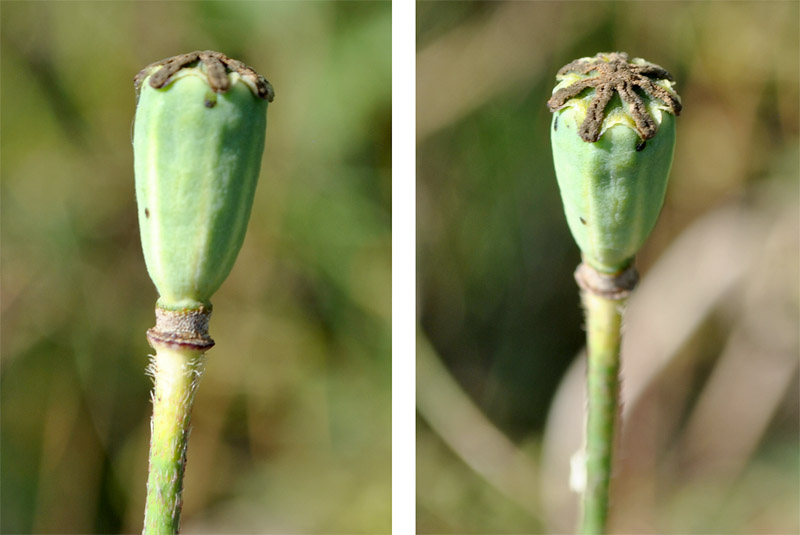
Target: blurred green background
[292,421]
[710,365]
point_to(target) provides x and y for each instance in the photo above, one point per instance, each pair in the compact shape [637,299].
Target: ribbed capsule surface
[612,191]
[612,158]
[197,156]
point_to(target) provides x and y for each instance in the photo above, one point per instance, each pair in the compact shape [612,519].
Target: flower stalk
[604,298]
[613,136]
[198,140]
[604,318]
[176,372]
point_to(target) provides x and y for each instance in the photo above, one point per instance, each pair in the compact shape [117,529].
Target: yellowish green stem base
[176,372]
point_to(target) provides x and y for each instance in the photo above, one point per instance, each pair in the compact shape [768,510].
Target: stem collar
[616,287]
[186,328]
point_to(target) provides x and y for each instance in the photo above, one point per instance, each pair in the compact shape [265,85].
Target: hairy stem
[176,372]
[603,320]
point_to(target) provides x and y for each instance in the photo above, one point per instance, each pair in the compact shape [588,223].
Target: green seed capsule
[613,136]
[198,140]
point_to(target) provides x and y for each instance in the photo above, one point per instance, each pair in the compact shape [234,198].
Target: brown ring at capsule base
[617,286]
[182,328]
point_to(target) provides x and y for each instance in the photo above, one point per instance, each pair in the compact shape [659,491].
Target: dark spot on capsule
[640,147]
[146,213]
[555,123]
[582,220]
[210,103]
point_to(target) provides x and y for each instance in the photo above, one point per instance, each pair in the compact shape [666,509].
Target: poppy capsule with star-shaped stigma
[198,140]
[613,136]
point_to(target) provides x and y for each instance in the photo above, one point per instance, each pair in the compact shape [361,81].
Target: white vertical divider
[403,267]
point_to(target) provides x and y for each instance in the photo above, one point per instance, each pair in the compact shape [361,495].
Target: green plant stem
[603,320]
[176,371]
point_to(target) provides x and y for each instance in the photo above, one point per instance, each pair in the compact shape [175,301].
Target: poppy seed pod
[613,136]
[198,140]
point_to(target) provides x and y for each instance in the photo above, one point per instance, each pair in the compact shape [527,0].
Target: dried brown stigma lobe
[613,73]
[217,67]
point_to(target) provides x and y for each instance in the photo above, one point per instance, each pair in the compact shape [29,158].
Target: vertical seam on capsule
[151,199]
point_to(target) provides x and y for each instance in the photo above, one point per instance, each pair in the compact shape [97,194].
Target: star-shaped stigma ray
[217,67]
[614,73]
